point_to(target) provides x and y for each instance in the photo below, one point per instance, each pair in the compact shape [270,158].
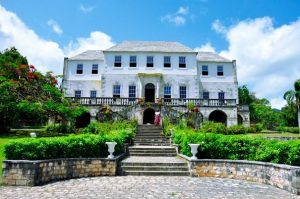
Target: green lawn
[269,134]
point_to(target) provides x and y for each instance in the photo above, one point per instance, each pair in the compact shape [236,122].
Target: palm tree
[297,96]
[292,97]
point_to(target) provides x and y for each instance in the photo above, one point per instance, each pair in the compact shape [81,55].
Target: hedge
[72,146]
[288,129]
[238,147]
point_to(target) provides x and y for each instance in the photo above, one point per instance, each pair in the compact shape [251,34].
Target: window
[132,61]
[220,71]
[116,91]
[77,94]
[167,93]
[205,95]
[118,61]
[149,61]
[182,92]
[182,62]
[95,69]
[131,92]
[221,97]
[167,61]
[79,69]
[93,94]
[204,70]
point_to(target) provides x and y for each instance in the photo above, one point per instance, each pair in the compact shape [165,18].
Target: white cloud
[178,18]
[206,48]
[218,27]
[86,9]
[46,55]
[97,41]
[267,57]
[54,26]
[183,10]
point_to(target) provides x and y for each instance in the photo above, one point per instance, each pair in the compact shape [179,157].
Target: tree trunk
[299,117]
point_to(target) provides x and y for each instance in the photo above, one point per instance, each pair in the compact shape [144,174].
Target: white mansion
[165,73]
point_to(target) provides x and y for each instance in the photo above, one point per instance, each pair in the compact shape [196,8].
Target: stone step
[150,140]
[154,154]
[147,136]
[152,150]
[157,173]
[151,144]
[155,168]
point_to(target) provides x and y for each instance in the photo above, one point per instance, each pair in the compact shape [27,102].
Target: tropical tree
[28,95]
[297,95]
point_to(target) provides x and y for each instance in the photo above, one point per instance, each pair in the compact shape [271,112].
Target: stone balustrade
[31,173]
[282,176]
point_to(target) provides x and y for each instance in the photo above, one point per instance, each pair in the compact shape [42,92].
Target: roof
[150,46]
[211,57]
[89,55]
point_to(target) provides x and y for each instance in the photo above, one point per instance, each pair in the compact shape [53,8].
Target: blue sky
[263,36]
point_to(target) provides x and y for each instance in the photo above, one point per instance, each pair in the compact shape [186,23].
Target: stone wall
[282,176]
[31,173]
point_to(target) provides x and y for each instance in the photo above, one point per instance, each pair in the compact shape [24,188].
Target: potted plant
[192,107]
[141,100]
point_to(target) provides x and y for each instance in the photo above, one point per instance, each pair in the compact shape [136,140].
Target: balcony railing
[198,102]
[164,101]
[104,101]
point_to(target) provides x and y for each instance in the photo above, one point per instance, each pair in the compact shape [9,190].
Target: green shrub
[238,147]
[167,126]
[213,127]
[287,129]
[59,129]
[72,146]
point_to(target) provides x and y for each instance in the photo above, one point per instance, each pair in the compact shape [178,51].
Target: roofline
[146,51]
[215,61]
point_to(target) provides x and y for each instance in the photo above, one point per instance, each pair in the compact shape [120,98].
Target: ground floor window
[77,94]
[116,91]
[182,92]
[132,92]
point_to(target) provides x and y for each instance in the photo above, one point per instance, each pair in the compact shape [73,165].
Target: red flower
[32,67]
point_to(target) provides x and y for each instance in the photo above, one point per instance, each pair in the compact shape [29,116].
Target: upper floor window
[118,61]
[182,62]
[204,70]
[220,71]
[132,92]
[221,95]
[77,94]
[132,61]
[182,92]
[149,61]
[167,61]
[95,69]
[93,94]
[205,95]
[167,92]
[116,91]
[79,69]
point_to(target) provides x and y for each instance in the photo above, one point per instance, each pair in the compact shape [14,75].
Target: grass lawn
[3,141]
[270,134]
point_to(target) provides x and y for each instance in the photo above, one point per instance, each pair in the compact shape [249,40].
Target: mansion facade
[155,76]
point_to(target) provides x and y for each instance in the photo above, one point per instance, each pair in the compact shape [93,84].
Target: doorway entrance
[149,93]
[148,116]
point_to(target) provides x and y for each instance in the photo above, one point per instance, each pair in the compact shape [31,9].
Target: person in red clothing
[157,118]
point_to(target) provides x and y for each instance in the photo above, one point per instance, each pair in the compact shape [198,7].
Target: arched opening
[240,120]
[218,116]
[83,120]
[148,116]
[149,93]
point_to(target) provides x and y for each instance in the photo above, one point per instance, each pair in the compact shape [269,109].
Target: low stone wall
[282,176]
[31,173]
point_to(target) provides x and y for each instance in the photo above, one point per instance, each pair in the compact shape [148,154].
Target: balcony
[175,102]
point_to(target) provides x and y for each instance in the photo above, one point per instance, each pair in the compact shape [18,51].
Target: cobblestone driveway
[147,187]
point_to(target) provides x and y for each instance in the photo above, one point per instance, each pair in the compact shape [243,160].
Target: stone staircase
[152,155]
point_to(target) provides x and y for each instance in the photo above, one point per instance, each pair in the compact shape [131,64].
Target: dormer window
[132,61]
[167,61]
[118,61]
[220,71]
[79,69]
[95,69]
[204,70]
[182,63]
[149,61]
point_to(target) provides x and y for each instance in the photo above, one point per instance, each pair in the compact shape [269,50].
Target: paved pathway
[147,187]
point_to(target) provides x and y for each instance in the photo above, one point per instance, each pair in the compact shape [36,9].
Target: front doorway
[148,116]
[149,93]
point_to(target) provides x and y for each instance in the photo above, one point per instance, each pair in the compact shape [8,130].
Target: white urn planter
[111,149]
[194,151]
[33,134]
